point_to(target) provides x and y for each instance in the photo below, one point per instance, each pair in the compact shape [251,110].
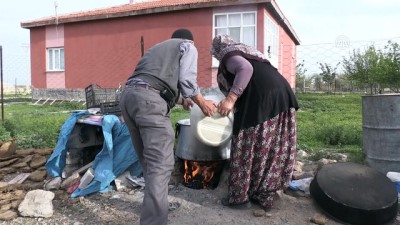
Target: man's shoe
[245,205]
[136,181]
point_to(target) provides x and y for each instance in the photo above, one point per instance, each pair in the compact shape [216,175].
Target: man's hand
[187,103]
[208,107]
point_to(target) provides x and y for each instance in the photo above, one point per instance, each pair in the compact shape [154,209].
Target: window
[271,41]
[239,26]
[55,59]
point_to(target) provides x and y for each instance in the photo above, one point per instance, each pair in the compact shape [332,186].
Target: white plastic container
[213,131]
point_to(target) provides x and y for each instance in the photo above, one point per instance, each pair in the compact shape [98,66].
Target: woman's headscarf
[223,44]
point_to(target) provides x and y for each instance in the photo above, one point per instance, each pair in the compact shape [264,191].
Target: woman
[264,128]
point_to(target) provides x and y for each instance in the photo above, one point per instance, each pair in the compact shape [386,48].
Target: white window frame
[215,62]
[55,59]
[271,40]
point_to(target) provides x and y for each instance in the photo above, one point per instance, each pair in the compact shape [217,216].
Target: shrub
[339,134]
[4,134]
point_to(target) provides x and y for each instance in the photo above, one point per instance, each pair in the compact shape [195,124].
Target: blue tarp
[116,156]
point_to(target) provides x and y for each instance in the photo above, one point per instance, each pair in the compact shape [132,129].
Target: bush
[5,135]
[339,135]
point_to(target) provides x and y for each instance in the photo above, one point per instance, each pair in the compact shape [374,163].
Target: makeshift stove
[202,174]
[199,165]
[84,143]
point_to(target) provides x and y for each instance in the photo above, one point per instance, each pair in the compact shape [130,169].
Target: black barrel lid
[355,193]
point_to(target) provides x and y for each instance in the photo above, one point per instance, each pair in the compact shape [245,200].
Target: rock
[20,165]
[38,161]
[8,162]
[7,170]
[45,151]
[5,207]
[53,184]
[301,154]
[324,161]
[25,169]
[3,184]
[298,166]
[259,213]
[15,204]
[7,148]
[340,157]
[26,159]
[37,203]
[319,219]
[38,175]
[23,162]
[24,152]
[18,194]
[6,196]
[8,215]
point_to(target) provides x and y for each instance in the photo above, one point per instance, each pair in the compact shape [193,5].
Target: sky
[319,24]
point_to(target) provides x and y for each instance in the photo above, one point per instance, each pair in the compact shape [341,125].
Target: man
[165,75]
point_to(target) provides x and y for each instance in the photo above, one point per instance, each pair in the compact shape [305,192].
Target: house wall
[106,52]
[38,57]
[55,38]
[286,53]
[287,58]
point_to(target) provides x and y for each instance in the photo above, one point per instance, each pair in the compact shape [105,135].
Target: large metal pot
[190,148]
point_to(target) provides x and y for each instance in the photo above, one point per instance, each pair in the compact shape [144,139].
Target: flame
[200,174]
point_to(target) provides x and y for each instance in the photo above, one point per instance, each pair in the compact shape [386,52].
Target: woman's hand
[226,105]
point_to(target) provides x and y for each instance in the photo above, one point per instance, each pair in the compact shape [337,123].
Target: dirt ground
[197,207]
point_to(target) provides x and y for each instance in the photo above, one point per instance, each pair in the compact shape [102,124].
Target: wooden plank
[19,179]
[37,101]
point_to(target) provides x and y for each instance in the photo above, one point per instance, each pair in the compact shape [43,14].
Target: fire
[200,175]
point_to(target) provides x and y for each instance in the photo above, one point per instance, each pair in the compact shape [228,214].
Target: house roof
[154,6]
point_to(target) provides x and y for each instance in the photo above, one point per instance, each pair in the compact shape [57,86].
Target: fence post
[1,75]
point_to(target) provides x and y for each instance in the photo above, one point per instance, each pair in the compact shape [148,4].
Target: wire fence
[17,64]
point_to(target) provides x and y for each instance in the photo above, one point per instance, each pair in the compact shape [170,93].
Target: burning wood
[202,175]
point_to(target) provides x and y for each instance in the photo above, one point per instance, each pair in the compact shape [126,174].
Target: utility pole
[1,77]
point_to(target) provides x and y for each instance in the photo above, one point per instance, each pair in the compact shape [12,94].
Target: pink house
[103,46]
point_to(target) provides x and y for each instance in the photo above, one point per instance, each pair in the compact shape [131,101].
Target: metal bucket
[381,131]
[190,148]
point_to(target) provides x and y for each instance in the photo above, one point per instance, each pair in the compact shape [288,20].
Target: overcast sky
[314,21]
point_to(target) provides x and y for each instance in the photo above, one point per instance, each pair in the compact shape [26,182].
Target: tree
[391,62]
[328,74]
[301,76]
[364,67]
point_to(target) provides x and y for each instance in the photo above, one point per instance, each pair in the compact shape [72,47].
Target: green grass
[326,124]
[35,126]
[330,122]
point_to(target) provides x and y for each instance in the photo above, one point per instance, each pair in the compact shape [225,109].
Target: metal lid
[215,130]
